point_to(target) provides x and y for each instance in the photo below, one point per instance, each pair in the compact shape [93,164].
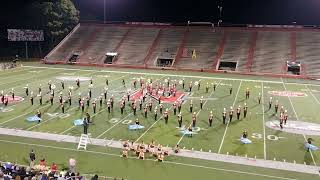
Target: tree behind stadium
[57,18]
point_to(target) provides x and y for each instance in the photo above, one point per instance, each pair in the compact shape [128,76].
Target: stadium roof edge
[248,27]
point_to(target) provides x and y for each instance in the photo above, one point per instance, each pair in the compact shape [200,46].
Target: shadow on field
[307,158]
[241,149]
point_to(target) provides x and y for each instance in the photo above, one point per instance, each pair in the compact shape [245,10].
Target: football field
[301,99]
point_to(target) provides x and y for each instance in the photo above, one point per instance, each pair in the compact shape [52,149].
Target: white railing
[64,39]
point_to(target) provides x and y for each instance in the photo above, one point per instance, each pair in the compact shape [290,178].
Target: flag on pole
[194,54]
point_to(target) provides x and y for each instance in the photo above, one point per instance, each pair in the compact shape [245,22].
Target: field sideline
[299,97]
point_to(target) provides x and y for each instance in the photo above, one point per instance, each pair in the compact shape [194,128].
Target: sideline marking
[264,125]
[168,162]
[173,75]
[225,131]
[314,162]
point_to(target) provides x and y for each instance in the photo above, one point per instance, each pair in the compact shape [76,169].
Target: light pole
[220,15]
[104,11]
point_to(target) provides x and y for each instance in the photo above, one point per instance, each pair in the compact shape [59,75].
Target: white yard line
[103,109]
[151,126]
[68,109]
[304,136]
[167,162]
[42,122]
[198,112]
[73,126]
[120,121]
[32,79]
[264,125]
[30,111]
[173,75]
[315,98]
[154,124]
[39,81]
[22,115]
[225,131]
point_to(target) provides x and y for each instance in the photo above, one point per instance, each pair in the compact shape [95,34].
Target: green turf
[107,161]
[219,138]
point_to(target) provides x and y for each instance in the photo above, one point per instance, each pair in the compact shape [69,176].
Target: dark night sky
[12,12]
[234,11]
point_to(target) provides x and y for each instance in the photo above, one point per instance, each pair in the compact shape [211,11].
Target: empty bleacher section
[205,42]
[75,44]
[272,51]
[167,45]
[134,48]
[105,41]
[253,50]
[308,52]
[236,48]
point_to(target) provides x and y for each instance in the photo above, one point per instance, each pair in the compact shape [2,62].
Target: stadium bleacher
[252,50]
[307,48]
[271,53]
[205,43]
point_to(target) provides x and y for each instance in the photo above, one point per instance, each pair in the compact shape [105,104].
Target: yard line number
[60,115]
[270,137]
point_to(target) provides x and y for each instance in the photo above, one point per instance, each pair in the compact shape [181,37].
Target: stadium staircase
[167,45]
[293,41]
[106,41]
[219,51]
[134,48]
[85,56]
[181,48]
[271,52]
[204,42]
[73,44]
[152,48]
[253,44]
[236,48]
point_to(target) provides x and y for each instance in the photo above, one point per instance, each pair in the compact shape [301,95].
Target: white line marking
[113,126]
[171,75]
[21,115]
[312,94]
[151,126]
[304,136]
[98,111]
[264,126]
[168,162]
[121,119]
[199,112]
[225,132]
[67,129]
[48,120]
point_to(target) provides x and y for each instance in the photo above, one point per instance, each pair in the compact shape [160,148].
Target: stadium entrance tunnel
[296,127]
[228,65]
[110,57]
[294,67]
[74,57]
[164,61]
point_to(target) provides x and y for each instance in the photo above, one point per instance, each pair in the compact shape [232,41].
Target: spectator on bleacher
[43,162]
[72,164]
[54,168]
